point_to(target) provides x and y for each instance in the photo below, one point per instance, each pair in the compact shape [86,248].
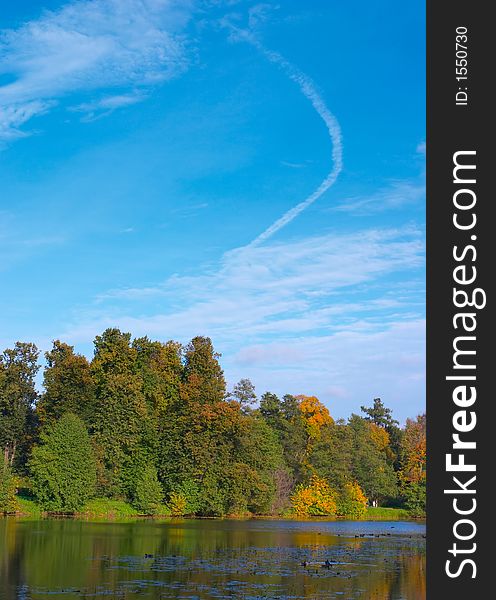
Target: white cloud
[397,194]
[88,45]
[337,315]
[105,106]
[345,370]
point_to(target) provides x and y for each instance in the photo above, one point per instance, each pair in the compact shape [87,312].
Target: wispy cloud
[278,289]
[105,106]
[342,311]
[88,45]
[345,369]
[397,194]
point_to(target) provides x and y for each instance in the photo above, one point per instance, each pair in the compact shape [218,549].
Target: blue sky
[249,171]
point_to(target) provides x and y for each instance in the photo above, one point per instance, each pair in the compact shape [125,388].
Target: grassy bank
[380,513]
[106,509]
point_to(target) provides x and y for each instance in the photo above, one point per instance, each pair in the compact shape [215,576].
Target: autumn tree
[18,368]
[203,378]
[316,417]
[414,446]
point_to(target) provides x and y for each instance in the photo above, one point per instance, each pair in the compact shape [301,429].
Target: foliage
[155,421]
[370,465]
[414,493]
[351,502]
[244,393]
[379,414]
[414,450]
[121,420]
[8,488]
[315,499]
[62,466]
[177,504]
[203,378]
[68,385]
[148,494]
[18,368]
[315,415]
[159,366]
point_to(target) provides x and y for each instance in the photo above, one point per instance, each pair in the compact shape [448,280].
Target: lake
[211,559]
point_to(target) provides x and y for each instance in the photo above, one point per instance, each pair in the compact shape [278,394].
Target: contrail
[310,92]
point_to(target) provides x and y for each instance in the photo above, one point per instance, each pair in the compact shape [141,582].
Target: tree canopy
[152,423]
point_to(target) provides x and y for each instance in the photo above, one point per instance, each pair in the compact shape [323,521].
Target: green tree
[244,393]
[68,385]
[18,368]
[332,454]
[379,414]
[148,494]
[271,410]
[62,466]
[160,368]
[256,459]
[8,488]
[287,420]
[370,465]
[121,421]
[414,496]
[203,378]
[196,453]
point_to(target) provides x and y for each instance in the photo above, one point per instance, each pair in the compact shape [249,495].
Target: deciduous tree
[62,466]
[18,368]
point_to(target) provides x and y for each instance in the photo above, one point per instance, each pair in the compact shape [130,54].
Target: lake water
[211,559]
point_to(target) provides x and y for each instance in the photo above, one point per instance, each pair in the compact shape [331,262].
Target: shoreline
[378,514]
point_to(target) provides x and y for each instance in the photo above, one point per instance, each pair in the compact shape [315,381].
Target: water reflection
[201,560]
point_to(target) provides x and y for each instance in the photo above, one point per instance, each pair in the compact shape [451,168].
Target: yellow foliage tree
[379,436]
[315,499]
[414,450]
[352,502]
[177,504]
[316,415]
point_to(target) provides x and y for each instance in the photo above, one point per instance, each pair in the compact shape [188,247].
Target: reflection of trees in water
[205,558]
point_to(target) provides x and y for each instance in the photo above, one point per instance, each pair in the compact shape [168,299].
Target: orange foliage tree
[414,449]
[315,414]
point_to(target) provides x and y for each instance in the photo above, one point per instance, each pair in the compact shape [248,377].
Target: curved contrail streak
[309,90]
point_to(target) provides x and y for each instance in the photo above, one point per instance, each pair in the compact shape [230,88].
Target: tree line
[152,423]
